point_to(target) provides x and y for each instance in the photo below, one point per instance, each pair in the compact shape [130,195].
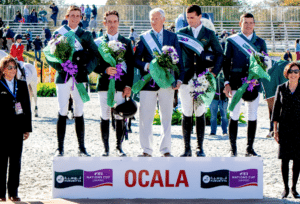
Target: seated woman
[33,16]
[18,17]
[15,127]
[286,113]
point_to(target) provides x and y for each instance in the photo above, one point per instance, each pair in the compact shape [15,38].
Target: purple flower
[185,39]
[249,51]
[265,54]
[118,74]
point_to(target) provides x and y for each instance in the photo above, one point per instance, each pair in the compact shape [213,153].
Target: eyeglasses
[11,67]
[296,71]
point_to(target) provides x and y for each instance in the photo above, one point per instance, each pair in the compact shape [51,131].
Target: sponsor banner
[169,178]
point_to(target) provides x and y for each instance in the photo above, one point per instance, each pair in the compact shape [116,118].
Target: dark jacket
[85,24]
[287,56]
[54,12]
[127,78]
[236,65]
[94,56]
[94,11]
[10,34]
[142,56]
[64,22]
[286,112]
[37,44]
[47,33]
[194,63]
[23,121]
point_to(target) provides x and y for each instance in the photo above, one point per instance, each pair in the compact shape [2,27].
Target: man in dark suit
[194,64]
[86,59]
[236,67]
[151,91]
[122,86]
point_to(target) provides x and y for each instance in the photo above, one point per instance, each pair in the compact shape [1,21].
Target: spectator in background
[288,56]
[28,35]
[133,34]
[100,33]
[33,16]
[82,9]
[220,102]
[223,33]
[9,37]
[17,48]
[297,48]
[94,33]
[133,44]
[171,28]
[94,11]
[54,13]
[223,40]
[4,47]
[18,17]
[93,23]
[26,14]
[64,22]
[88,12]
[42,15]
[1,38]
[37,48]
[2,24]
[85,23]
[47,35]
[232,32]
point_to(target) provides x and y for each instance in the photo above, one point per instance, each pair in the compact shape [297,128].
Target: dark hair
[247,15]
[108,13]
[132,29]
[288,67]
[297,41]
[194,8]
[101,30]
[4,62]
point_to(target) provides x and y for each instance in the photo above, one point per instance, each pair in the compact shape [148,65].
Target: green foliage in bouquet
[117,55]
[46,90]
[164,60]
[64,49]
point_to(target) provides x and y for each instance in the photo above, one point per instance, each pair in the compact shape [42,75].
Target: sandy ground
[36,174]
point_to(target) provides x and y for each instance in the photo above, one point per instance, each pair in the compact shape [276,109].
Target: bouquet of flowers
[203,88]
[259,65]
[161,70]
[113,53]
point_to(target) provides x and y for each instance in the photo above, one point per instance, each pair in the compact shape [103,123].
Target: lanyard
[15,91]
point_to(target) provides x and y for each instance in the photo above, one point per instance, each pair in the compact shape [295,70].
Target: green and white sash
[98,41]
[243,44]
[151,42]
[64,30]
[190,42]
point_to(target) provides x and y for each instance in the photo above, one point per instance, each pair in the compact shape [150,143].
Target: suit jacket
[17,52]
[12,122]
[88,44]
[194,63]
[127,78]
[236,65]
[142,56]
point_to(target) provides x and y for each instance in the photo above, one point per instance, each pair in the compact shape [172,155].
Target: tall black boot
[79,128]
[200,131]
[250,136]
[104,128]
[296,171]
[233,130]
[186,132]
[120,136]
[61,131]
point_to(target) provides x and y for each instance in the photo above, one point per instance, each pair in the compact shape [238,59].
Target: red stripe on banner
[250,184]
[106,184]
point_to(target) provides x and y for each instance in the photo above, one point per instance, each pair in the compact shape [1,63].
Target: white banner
[169,178]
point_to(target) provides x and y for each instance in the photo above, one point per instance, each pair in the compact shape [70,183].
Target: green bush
[177,117]
[46,89]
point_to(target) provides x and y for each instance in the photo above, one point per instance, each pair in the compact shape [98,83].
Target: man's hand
[111,71]
[177,85]
[126,92]
[148,66]
[25,135]
[227,91]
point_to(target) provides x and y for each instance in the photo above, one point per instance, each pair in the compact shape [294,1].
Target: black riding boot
[233,130]
[61,131]
[79,128]
[120,136]
[250,136]
[104,128]
[200,131]
[187,125]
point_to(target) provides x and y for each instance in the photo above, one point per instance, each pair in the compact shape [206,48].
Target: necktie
[158,38]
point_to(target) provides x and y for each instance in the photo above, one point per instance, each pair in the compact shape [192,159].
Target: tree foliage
[128,2]
[25,2]
[198,2]
[290,3]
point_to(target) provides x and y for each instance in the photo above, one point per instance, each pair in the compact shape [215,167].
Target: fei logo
[233,179]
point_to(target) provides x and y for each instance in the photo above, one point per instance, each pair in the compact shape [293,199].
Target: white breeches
[251,106]
[148,101]
[63,95]
[105,110]
[187,102]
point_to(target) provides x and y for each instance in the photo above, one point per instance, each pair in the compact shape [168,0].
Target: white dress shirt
[196,31]
[17,44]
[113,37]
[10,84]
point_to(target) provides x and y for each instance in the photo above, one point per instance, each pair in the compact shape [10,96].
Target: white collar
[113,37]
[249,37]
[9,82]
[160,32]
[75,29]
[197,29]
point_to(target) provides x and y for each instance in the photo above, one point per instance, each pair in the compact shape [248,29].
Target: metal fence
[141,13]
